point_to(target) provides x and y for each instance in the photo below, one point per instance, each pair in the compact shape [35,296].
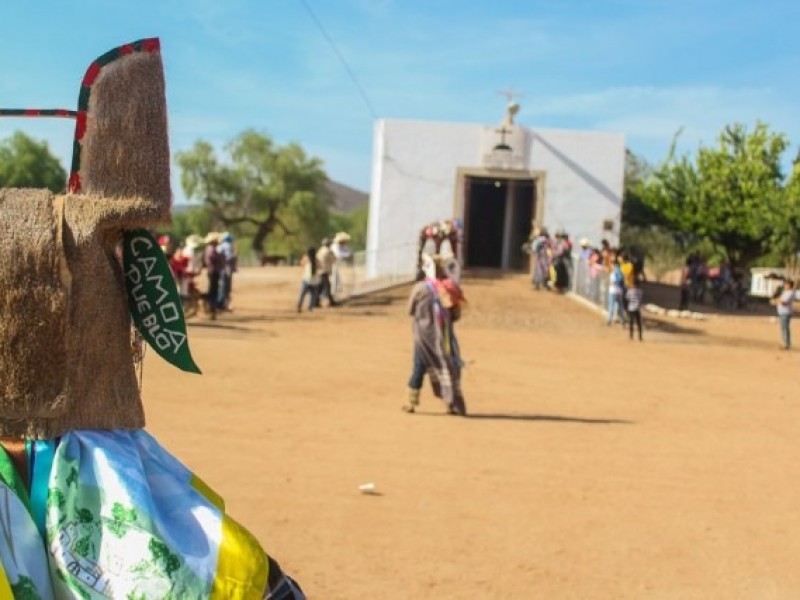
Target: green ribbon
[153,299]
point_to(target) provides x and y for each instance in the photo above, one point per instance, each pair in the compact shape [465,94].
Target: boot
[413,400]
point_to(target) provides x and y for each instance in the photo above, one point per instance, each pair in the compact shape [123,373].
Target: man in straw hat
[190,293]
[344,256]
[92,505]
[325,260]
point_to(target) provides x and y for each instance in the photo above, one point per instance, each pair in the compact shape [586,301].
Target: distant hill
[344,199]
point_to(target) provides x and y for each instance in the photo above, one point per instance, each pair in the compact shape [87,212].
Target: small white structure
[765,281]
[498,180]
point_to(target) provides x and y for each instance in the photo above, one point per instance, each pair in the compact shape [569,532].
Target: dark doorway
[485,221]
[522,200]
[497,217]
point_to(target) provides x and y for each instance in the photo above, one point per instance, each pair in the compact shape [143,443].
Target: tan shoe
[413,401]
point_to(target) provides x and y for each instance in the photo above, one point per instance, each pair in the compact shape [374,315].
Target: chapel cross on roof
[512,108]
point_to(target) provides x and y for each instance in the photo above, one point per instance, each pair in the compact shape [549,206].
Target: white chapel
[496,181]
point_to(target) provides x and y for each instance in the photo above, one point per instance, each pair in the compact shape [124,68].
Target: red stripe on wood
[126,49]
[91,74]
[151,45]
[74,183]
[80,125]
[31,112]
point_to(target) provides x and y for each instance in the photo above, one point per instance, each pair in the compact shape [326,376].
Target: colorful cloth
[111,514]
[435,340]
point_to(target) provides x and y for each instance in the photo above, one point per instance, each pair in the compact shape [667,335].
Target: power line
[341,58]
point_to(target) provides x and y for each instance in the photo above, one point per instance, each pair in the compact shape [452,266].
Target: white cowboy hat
[194,241]
[341,237]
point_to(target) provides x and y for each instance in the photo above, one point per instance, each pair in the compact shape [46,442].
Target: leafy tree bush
[27,163]
[261,191]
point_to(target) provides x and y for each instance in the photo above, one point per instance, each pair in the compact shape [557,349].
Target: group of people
[551,258]
[616,274]
[319,271]
[727,285]
[216,254]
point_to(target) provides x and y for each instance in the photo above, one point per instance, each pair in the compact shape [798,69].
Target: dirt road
[591,467]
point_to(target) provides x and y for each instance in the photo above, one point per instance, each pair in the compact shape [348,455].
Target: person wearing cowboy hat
[190,294]
[344,257]
[325,260]
[215,264]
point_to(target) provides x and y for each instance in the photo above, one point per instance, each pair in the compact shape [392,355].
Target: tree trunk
[266,227]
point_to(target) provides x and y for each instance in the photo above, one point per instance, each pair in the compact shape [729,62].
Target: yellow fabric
[209,494]
[5,587]
[242,567]
[627,273]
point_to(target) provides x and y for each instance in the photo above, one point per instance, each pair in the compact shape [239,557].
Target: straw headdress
[65,353]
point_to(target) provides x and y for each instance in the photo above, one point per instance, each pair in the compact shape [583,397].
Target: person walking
[325,259]
[432,306]
[310,281]
[784,302]
[634,296]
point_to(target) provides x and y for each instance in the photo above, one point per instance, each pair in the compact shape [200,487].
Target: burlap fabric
[65,354]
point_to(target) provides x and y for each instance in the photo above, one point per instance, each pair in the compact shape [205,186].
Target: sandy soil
[591,467]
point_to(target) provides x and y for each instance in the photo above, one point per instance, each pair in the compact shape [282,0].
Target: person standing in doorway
[784,303]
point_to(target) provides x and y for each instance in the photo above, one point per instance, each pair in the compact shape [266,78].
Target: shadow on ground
[372,299]
[552,418]
[670,327]
[524,417]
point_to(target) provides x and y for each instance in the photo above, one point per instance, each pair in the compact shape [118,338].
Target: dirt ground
[590,467]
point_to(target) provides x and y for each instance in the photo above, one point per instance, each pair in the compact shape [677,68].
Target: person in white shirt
[227,250]
[344,257]
[634,295]
[785,305]
[325,260]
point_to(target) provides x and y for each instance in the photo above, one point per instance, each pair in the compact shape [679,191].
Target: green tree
[261,189]
[354,223]
[196,219]
[727,195]
[26,163]
[635,211]
[785,215]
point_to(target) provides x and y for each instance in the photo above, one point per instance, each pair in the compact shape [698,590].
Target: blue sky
[641,67]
